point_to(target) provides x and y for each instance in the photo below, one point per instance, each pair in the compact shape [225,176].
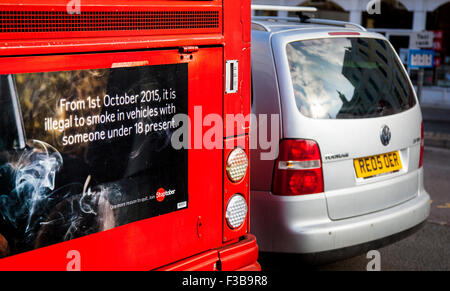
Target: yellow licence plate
[379,164]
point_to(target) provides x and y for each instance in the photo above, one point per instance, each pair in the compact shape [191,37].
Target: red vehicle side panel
[159,240]
[40,36]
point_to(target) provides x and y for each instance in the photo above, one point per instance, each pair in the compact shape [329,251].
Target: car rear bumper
[302,225]
[239,256]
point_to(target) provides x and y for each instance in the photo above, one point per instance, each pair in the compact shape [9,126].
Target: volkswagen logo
[385,135]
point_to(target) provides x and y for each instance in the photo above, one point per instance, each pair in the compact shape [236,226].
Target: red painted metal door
[161,239]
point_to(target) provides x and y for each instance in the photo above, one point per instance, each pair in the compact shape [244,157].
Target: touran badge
[385,135]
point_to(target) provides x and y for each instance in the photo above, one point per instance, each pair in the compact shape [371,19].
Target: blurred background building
[397,20]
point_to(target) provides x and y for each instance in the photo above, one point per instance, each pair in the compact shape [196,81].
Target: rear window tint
[346,78]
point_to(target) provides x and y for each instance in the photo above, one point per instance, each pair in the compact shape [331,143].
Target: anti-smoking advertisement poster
[88,150]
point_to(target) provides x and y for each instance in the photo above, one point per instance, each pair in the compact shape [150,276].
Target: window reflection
[340,78]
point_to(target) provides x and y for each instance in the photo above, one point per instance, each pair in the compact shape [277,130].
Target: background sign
[422,39]
[404,54]
[421,59]
[438,38]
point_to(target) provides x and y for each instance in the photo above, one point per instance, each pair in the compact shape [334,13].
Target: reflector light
[304,182]
[237,164]
[298,165]
[236,211]
[421,146]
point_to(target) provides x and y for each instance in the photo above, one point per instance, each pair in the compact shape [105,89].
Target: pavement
[436,121]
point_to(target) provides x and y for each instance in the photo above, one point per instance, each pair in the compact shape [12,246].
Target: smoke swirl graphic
[34,181]
[41,215]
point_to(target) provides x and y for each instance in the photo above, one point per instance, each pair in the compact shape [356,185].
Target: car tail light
[298,169]
[422,144]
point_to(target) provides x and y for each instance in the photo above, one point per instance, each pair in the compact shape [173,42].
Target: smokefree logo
[161,194]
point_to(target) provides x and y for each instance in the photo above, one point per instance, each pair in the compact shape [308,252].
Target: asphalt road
[437,126]
[427,249]
[436,119]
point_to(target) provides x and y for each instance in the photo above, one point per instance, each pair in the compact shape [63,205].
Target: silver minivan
[348,174]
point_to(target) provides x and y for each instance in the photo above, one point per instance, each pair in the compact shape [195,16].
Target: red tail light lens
[298,169]
[422,143]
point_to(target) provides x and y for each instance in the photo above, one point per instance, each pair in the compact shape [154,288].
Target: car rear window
[346,78]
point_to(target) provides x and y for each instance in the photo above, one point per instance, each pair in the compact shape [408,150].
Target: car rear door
[350,94]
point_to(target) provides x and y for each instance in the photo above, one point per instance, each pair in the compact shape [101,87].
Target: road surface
[427,249]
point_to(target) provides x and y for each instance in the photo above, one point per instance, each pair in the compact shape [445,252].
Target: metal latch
[231,76]
[188,49]
[199,227]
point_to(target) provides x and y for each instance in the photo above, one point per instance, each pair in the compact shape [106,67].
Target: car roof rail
[283,8]
[335,23]
[276,18]
[301,17]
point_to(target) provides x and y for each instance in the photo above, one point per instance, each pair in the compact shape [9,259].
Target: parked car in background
[348,177]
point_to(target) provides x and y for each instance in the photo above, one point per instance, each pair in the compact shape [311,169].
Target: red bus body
[41,36]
